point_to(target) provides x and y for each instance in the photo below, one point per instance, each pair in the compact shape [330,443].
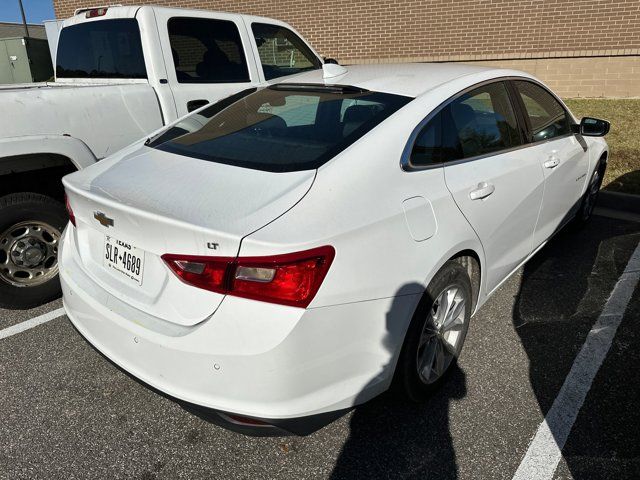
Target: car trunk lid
[149,203]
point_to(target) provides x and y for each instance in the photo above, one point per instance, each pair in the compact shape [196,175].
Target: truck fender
[13,148]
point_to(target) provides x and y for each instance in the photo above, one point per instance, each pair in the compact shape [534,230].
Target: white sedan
[281,256]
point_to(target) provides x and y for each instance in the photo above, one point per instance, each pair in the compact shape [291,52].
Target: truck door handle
[553,162]
[196,104]
[483,190]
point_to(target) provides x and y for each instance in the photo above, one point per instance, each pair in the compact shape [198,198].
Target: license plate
[124,258]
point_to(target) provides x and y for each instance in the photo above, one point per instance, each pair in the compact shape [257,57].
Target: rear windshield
[282,128]
[101,49]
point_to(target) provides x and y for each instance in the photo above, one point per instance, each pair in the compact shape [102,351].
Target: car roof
[409,79]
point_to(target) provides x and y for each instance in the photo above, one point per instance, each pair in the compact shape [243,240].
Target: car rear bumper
[257,427]
[289,367]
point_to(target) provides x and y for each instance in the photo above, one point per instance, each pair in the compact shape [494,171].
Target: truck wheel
[30,228]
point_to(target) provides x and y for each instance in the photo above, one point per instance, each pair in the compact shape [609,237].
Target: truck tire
[30,229]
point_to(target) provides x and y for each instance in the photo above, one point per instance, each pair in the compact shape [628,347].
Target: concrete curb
[619,201]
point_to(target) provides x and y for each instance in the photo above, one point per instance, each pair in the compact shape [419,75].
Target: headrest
[358,113]
[463,115]
[214,55]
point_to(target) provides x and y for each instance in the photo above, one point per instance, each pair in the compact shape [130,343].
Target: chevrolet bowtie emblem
[103,219]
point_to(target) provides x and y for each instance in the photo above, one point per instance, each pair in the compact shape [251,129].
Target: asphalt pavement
[66,412]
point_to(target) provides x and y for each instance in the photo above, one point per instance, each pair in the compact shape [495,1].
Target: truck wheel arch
[34,152]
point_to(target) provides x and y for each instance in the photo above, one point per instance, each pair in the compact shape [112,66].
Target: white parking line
[34,322]
[545,450]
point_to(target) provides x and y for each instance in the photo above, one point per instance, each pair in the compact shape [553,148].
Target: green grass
[623,170]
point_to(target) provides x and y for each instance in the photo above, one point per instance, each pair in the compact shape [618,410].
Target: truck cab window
[282,52]
[207,51]
[105,49]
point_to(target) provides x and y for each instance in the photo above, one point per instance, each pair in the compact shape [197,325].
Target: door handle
[196,104]
[483,190]
[553,162]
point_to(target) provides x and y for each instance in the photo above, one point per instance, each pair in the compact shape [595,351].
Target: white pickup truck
[121,73]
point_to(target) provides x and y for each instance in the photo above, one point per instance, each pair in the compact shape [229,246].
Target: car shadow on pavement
[392,437]
[626,183]
[562,292]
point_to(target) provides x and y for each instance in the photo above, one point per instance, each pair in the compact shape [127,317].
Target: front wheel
[436,333]
[589,199]
[30,229]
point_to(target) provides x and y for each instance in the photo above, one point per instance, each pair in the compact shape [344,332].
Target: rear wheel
[30,230]
[436,333]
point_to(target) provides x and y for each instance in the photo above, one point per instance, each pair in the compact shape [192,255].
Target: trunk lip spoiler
[129,209]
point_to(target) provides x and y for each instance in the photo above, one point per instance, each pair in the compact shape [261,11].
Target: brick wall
[532,32]
[608,76]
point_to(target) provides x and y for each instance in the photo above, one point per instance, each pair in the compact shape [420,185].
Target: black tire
[589,199]
[408,381]
[25,207]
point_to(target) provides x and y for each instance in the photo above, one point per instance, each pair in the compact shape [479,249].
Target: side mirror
[594,127]
[330,60]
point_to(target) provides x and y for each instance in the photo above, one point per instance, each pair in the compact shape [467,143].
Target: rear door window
[101,49]
[484,122]
[207,51]
[282,52]
[427,148]
[437,142]
[546,116]
[479,122]
[282,128]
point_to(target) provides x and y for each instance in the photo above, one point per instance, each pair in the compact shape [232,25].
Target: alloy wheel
[442,334]
[592,195]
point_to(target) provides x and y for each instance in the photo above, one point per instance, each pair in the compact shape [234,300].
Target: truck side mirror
[594,127]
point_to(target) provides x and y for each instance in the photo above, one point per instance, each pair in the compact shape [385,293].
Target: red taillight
[289,279]
[95,12]
[203,272]
[72,217]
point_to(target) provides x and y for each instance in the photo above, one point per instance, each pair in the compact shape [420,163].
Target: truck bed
[106,117]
